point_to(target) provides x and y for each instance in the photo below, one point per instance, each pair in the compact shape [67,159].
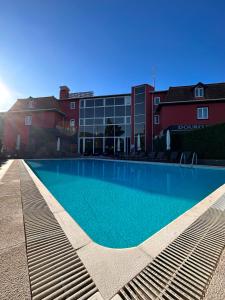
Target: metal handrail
[194,158]
[183,157]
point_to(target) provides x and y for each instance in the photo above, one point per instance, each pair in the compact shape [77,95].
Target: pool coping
[124,264]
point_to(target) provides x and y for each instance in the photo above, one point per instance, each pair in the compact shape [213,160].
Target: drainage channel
[55,270]
[184,269]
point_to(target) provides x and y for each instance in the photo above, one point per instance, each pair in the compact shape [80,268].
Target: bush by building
[208,143]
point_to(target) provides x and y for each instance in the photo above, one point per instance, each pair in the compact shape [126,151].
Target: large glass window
[89,131]
[99,130]
[128,130]
[90,103]
[99,112]
[82,131]
[89,121]
[82,113]
[120,130]
[109,101]
[109,111]
[98,144]
[110,120]
[127,100]
[119,101]
[139,128]
[140,109]
[119,110]
[140,119]
[128,110]
[82,102]
[89,146]
[89,113]
[102,122]
[99,102]
[140,89]
[109,130]
[99,121]
[109,145]
[139,98]
[119,120]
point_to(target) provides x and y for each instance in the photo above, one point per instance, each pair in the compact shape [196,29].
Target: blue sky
[108,45]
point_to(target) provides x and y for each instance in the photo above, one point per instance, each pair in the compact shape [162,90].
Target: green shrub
[208,142]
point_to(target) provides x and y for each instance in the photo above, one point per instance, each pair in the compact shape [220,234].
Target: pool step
[183,270]
[55,269]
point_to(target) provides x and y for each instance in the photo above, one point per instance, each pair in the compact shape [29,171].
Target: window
[72,123]
[127,120]
[82,102]
[90,103]
[81,122]
[202,113]
[156,100]
[31,104]
[156,119]
[199,92]
[99,102]
[72,105]
[127,100]
[28,120]
[119,101]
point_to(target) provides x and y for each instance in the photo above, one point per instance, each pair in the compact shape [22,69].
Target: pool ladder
[182,158]
[194,159]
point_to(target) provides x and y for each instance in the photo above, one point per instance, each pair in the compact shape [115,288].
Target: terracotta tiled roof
[40,103]
[186,93]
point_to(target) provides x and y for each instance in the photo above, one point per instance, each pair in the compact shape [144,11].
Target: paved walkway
[14,280]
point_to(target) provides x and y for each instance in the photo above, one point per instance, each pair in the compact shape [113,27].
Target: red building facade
[84,123]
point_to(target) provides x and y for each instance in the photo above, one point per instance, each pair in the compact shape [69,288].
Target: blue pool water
[121,204]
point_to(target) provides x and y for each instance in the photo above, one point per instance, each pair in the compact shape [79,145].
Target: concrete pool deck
[110,269]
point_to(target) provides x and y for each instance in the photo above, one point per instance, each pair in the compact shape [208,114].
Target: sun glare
[4,91]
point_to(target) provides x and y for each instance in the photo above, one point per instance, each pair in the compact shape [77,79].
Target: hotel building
[84,123]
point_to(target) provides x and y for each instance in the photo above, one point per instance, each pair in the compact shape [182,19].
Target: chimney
[64,92]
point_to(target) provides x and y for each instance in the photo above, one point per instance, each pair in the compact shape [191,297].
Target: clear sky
[108,45]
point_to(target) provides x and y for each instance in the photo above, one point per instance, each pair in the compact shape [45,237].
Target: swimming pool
[121,204]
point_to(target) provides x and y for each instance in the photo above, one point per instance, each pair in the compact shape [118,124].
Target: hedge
[208,143]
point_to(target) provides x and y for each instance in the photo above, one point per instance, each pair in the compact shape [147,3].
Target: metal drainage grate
[55,270]
[184,269]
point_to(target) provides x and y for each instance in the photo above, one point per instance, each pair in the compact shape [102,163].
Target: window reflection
[102,122]
[99,102]
[99,130]
[109,111]
[139,128]
[89,131]
[89,103]
[89,113]
[119,101]
[109,101]
[89,121]
[109,130]
[99,112]
[139,109]
[119,110]
[119,130]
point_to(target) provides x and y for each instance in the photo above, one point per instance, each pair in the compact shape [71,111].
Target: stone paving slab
[14,280]
[216,289]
